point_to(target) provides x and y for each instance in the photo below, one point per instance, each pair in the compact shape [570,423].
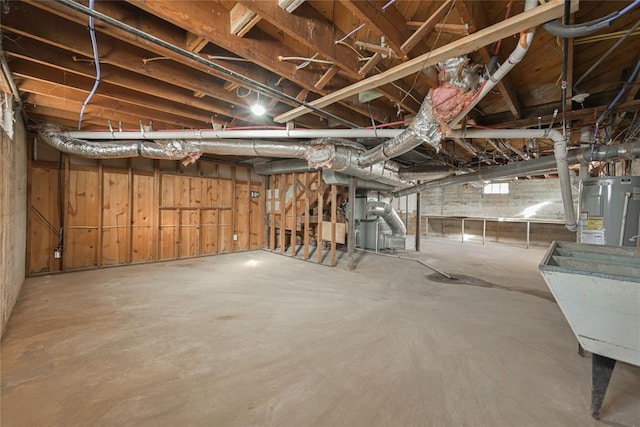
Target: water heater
[610,211]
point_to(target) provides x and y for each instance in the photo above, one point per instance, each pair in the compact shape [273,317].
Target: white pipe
[526,37]
[233,134]
[623,223]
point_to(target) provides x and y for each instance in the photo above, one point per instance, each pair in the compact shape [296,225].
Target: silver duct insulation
[324,152]
[458,82]
[389,215]
[110,150]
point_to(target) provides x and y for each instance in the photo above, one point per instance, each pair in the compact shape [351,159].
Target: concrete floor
[256,339]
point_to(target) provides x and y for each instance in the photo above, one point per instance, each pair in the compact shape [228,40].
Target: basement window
[496,188]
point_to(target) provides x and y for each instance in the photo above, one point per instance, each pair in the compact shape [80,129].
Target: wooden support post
[272,213]
[100,211]
[294,213]
[351,237]
[248,229]
[129,254]
[306,216]
[283,213]
[155,226]
[65,215]
[418,220]
[320,216]
[334,208]
[234,210]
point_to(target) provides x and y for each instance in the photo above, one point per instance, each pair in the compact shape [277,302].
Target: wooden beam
[326,77]
[539,15]
[111,106]
[320,216]
[209,19]
[311,30]
[93,112]
[466,145]
[242,20]
[306,216]
[294,213]
[213,23]
[334,210]
[57,61]
[272,213]
[195,43]
[388,22]
[426,27]
[370,64]
[585,113]
[283,212]
[477,18]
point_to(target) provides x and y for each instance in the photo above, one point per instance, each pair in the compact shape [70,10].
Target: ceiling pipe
[559,29]
[233,134]
[521,168]
[255,85]
[560,162]
[324,152]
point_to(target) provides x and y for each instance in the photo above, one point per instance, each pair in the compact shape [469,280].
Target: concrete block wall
[13,217]
[533,199]
[537,200]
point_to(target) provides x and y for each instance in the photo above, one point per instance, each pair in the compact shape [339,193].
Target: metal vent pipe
[389,215]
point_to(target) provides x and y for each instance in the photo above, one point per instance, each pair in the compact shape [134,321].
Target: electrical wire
[94,43]
[352,32]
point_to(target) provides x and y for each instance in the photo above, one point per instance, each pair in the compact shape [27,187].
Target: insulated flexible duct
[323,152]
[426,127]
[389,215]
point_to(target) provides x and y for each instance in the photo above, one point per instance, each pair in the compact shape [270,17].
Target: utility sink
[598,290]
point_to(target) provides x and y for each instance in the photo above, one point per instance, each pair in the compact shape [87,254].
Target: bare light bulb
[257,109]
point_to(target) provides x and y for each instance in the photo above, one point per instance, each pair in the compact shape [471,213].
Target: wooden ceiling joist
[475,17]
[164,31]
[541,14]
[212,23]
[427,27]
[388,22]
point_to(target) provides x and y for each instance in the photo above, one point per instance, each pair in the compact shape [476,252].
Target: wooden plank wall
[297,204]
[120,212]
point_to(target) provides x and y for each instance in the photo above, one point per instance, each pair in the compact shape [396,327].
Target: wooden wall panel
[44,219]
[209,232]
[225,231]
[142,218]
[189,242]
[169,220]
[256,217]
[115,208]
[81,230]
[115,214]
[243,215]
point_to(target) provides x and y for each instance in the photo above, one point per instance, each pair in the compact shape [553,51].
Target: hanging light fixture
[258,109]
